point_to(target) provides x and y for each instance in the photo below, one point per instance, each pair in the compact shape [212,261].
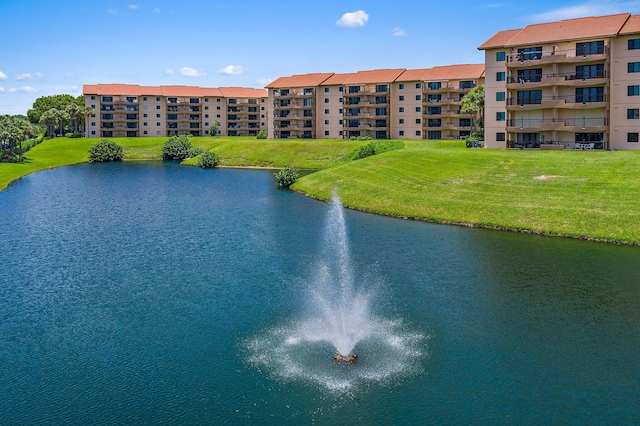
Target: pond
[152,293]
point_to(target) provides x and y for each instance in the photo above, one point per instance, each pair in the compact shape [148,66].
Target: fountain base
[345,360]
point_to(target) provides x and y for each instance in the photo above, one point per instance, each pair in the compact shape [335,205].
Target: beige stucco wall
[620,101]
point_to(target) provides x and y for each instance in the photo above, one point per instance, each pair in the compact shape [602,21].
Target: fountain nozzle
[345,360]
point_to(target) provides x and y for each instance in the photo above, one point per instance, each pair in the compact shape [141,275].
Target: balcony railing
[550,52]
[528,123]
[565,75]
[569,99]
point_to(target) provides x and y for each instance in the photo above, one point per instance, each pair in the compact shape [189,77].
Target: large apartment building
[386,103]
[126,110]
[566,84]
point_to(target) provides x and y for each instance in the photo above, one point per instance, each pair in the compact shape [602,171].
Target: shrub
[286,177]
[195,151]
[364,151]
[105,150]
[262,134]
[73,135]
[208,159]
[360,138]
[176,148]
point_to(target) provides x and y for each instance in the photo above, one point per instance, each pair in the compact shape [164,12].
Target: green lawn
[582,194]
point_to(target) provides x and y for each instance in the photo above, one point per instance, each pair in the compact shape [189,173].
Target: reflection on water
[132,293]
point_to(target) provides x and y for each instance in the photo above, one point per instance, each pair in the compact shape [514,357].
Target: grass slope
[581,194]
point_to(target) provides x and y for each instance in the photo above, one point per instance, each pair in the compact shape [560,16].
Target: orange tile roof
[338,79]
[89,89]
[243,92]
[111,89]
[414,75]
[632,25]
[375,76]
[567,29]
[300,80]
[499,39]
[456,72]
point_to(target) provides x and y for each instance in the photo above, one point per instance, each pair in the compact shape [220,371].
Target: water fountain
[338,317]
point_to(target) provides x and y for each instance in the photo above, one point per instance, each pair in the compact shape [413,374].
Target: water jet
[345,360]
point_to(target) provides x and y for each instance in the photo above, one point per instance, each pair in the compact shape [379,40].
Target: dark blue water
[132,293]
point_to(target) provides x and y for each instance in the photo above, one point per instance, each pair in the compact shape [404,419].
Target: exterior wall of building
[330,114]
[406,109]
[495,104]
[625,94]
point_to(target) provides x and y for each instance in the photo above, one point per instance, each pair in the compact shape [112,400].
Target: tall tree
[45,103]
[473,103]
[50,119]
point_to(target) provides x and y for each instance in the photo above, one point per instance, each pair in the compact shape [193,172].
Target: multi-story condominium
[565,84]
[382,104]
[131,110]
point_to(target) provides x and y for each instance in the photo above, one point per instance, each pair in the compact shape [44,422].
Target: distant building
[566,84]
[126,110]
[386,103]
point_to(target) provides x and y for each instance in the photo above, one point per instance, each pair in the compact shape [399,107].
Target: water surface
[131,293]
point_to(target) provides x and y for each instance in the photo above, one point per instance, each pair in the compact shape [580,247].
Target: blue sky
[53,47]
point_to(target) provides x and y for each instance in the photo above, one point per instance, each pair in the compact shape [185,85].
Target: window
[589,94]
[434,85]
[590,48]
[93,132]
[466,84]
[434,134]
[633,114]
[144,98]
[529,53]
[326,100]
[634,44]
[206,116]
[633,90]
[93,106]
[501,56]
[340,122]
[340,100]
[500,137]
[341,89]
[434,122]
[93,124]
[401,132]
[206,108]
[145,106]
[157,99]
[418,109]
[633,67]
[434,110]
[326,133]
[340,111]
[326,111]
[218,100]
[145,132]
[418,85]
[584,72]
[157,106]
[418,97]
[381,88]
[401,97]
[500,96]
[217,115]
[402,121]
[206,99]
[464,122]
[632,137]
[326,121]
[501,76]
[354,89]
[157,115]
[93,98]
[500,116]
[158,124]
[326,90]
[529,97]
[401,86]
[145,124]
[530,75]
[418,132]
[401,109]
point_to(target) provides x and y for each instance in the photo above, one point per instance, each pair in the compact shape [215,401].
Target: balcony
[525,125]
[566,101]
[558,79]
[552,56]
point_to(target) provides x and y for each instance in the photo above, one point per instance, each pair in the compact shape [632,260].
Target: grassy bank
[580,194]
[234,151]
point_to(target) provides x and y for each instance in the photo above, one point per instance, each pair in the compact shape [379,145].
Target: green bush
[208,159]
[361,138]
[195,151]
[262,134]
[105,150]
[286,177]
[365,151]
[176,148]
[73,135]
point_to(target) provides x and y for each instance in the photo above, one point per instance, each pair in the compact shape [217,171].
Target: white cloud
[1,89]
[112,11]
[191,72]
[3,76]
[588,8]
[233,70]
[399,32]
[264,81]
[133,7]
[156,10]
[353,19]
[169,71]
[28,76]
[23,89]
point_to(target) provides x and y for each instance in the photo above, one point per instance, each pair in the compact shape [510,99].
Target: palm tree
[49,118]
[73,111]
[473,103]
